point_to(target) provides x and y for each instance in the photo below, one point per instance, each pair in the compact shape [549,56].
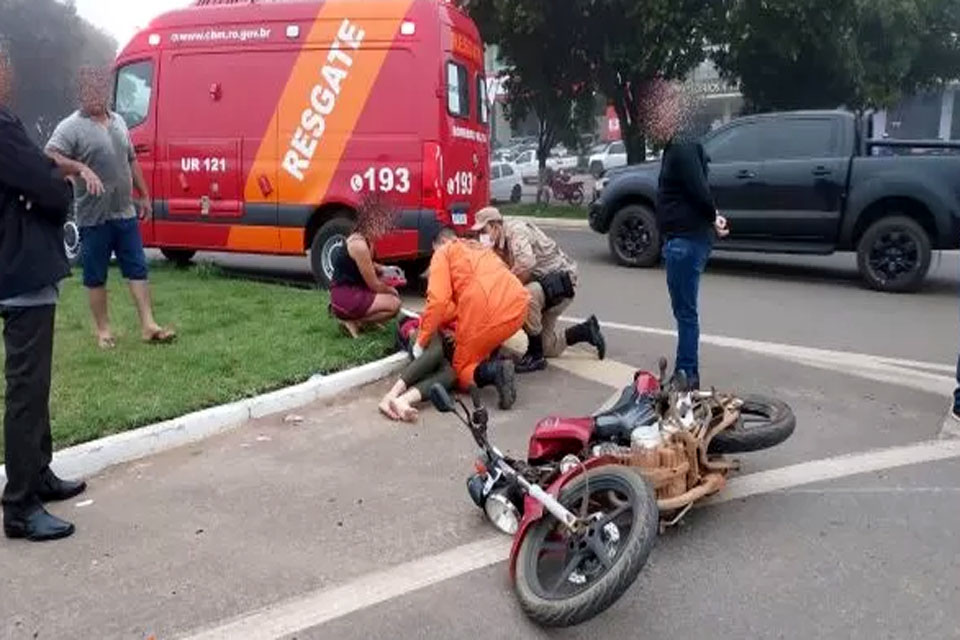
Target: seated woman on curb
[430,368]
[358,296]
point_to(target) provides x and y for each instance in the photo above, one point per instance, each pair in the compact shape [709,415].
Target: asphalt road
[297,531]
[805,300]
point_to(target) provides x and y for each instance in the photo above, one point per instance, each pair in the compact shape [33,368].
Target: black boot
[533,359]
[590,333]
[502,374]
[35,524]
[53,489]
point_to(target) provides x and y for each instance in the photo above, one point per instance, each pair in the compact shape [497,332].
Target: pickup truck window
[775,139]
[800,138]
[739,143]
[617,148]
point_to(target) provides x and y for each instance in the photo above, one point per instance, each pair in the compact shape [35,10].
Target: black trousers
[28,340]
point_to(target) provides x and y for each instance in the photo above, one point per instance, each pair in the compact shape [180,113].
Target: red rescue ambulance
[261,125]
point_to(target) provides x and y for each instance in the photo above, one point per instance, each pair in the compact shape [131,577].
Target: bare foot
[386,409]
[404,410]
[350,328]
[106,341]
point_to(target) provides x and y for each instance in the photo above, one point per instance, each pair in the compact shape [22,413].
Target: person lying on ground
[469,285]
[430,368]
[358,295]
[551,280]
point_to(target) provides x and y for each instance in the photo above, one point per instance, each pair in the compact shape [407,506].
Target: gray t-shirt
[108,152]
[47,296]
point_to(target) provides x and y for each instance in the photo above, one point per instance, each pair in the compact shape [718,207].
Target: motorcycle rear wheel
[763,423]
[563,580]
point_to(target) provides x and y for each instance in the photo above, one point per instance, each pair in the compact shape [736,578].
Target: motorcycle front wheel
[564,579]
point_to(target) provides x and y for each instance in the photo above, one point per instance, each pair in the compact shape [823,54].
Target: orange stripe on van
[380,20]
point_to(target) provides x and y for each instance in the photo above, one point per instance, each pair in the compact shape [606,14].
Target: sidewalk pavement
[245,519]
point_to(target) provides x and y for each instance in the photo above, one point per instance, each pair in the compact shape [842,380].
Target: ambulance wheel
[179,257]
[332,234]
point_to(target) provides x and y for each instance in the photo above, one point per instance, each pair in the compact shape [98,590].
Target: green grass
[236,339]
[545,211]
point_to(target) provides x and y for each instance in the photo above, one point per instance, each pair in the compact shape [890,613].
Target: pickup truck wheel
[516,194]
[634,237]
[334,232]
[894,255]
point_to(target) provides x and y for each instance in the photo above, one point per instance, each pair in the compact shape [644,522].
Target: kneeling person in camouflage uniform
[551,278]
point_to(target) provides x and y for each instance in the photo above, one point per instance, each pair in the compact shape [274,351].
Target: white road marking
[834,468]
[319,607]
[314,609]
[912,374]
[896,371]
[872,491]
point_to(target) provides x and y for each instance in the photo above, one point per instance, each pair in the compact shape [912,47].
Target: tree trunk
[630,132]
[544,145]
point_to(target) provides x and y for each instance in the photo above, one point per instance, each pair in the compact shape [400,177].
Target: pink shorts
[350,302]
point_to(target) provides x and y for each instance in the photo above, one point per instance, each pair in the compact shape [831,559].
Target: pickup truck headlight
[600,186]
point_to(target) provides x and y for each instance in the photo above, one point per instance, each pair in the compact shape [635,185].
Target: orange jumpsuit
[471,285]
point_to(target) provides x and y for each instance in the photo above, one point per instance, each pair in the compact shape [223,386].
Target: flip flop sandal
[164,336]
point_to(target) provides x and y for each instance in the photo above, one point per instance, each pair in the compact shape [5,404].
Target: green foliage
[794,54]
[547,75]
[630,43]
[47,42]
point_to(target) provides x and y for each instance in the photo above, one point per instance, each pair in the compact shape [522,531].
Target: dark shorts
[99,243]
[350,302]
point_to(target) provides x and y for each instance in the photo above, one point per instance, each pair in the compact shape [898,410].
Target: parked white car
[613,156]
[529,168]
[506,185]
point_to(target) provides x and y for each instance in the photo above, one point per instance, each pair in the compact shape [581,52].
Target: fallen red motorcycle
[587,529]
[675,440]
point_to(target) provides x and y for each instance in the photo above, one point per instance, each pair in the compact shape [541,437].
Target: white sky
[123,18]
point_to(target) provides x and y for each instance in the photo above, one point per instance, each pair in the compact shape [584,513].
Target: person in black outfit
[688,220]
[34,200]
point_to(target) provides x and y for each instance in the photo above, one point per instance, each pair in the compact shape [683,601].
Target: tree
[797,54]
[47,42]
[547,75]
[632,43]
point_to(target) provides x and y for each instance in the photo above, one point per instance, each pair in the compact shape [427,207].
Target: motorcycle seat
[628,412]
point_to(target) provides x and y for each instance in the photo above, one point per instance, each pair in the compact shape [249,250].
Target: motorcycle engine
[658,455]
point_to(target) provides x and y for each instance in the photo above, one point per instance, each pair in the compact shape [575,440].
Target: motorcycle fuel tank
[554,438]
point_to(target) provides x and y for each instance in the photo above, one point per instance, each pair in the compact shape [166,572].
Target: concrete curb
[555,223]
[92,457]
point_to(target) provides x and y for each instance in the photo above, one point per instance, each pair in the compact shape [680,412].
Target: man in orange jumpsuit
[469,284]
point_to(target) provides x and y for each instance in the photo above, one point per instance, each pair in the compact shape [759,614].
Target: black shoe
[596,337]
[530,363]
[36,526]
[53,489]
[681,382]
[506,382]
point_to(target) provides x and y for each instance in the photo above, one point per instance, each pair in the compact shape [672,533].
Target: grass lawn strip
[237,339]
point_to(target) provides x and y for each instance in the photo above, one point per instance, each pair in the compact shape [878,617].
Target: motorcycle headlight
[502,512]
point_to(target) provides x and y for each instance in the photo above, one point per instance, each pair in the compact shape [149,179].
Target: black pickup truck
[807,182]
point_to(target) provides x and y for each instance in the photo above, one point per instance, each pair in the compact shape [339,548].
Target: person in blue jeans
[94,144]
[687,219]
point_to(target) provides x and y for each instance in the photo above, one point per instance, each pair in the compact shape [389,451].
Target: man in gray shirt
[94,143]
